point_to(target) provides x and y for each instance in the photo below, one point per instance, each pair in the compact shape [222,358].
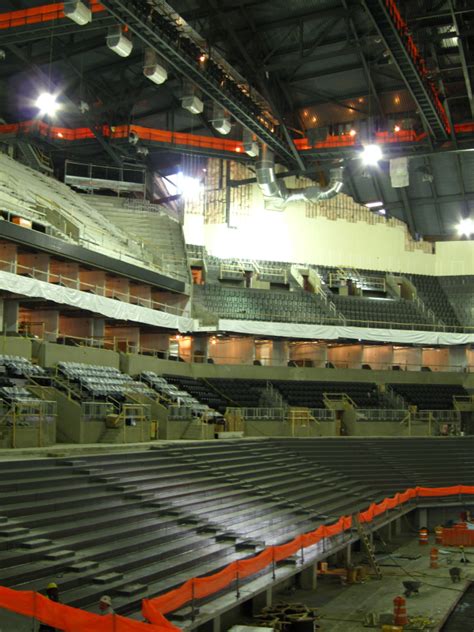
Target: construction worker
[52,593]
[105,605]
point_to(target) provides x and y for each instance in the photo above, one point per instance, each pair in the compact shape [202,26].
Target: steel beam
[147,26]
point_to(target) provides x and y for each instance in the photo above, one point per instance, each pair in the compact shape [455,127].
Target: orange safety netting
[36,606]
[154,610]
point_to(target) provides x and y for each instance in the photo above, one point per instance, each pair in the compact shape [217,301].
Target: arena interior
[237,313]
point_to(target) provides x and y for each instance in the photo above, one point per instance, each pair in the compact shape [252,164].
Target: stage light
[466,227]
[152,69]
[371,155]
[47,104]
[192,104]
[118,41]
[77,11]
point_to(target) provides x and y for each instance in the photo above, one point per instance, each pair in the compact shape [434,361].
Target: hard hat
[106,599]
[51,585]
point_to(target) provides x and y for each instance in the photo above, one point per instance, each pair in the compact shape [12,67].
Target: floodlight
[371,154]
[193,104]
[152,69]
[77,11]
[466,227]
[47,104]
[222,125]
[250,144]
[118,41]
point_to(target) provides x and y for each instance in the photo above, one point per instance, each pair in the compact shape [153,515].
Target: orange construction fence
[36,606]
[459,535]
[154,610]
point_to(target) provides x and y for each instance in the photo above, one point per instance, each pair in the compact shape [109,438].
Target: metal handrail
[76,283]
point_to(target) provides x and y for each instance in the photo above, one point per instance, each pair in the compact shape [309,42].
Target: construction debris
[289,617]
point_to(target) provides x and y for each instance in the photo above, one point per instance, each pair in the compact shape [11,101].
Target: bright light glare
[371,154]
[373,204]
[47,104]
[466,227]
[190,188]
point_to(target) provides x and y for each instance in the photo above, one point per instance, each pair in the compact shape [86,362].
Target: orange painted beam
[39,15]
[204,142]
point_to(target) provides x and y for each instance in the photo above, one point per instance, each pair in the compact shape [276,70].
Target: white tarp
[111,308]
[335,332]
[108,307]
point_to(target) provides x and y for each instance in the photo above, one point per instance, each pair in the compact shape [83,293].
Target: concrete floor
[343,608]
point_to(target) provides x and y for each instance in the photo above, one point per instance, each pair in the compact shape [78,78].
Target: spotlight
[352,132]
[371,155]
[221,120]
[118,41]
[202,58]
[77,11]
[396,129]
[152,69]
[250,144]
[47,104]
[466,227]
[193,104]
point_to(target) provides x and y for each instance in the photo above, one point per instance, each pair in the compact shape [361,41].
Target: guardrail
[381,414]
[55,278]
[29,415]
[96,411]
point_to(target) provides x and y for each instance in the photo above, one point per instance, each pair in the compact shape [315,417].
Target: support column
[261,600]
[10,317]
[98,330]
[216,623]
[422,518]
[309,577]
[348,555]
[397,526]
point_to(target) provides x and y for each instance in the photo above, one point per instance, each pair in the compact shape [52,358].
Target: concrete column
[10,317]
[261,600]
[309,577]
[397,526]
[280,353]
[98,328]
[422,518]
[348,556]
[216,623]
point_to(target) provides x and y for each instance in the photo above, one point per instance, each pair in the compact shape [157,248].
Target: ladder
[367,545]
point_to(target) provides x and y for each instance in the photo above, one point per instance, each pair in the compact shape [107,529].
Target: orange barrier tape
[155,609]
[36,606]
[38,15]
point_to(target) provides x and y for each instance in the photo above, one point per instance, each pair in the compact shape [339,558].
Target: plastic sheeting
[334,332]
[102,305]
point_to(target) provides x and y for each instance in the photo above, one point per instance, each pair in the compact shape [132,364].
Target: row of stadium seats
[430,291]
[18,366]
[101,382]
[175,523]
[252,304]
[429,396]
[170,392]
[460,291]
[397,312]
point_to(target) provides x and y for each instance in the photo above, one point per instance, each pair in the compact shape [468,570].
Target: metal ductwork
[272,187]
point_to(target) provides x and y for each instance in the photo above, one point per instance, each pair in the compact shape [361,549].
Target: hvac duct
[272,187]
